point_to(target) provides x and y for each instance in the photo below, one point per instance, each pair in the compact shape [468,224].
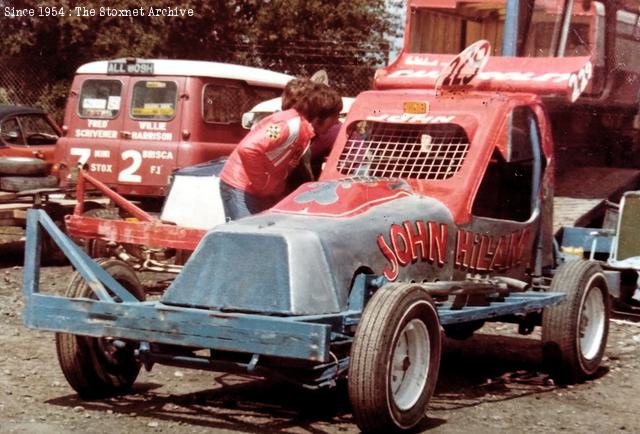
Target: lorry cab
[606,31]
[131,122]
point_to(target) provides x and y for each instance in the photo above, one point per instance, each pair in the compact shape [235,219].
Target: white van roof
[275,104]
[196,68]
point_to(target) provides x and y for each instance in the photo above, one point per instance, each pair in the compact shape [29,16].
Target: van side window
[225,104]
[100,99]
[154,100]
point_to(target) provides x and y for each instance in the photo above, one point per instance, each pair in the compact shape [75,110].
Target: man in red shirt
[255,176]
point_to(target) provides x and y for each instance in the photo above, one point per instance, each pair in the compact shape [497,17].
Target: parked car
[28,139]
[27,132]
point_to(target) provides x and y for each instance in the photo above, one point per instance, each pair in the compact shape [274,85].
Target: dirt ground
[492,383]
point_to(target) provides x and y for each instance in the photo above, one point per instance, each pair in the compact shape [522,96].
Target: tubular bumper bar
[154,321]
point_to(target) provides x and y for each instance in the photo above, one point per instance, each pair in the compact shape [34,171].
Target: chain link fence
[350,69]
[23,84]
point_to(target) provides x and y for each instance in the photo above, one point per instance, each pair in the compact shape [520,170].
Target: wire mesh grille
[385,150]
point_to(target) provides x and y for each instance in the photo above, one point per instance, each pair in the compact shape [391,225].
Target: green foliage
[295,36]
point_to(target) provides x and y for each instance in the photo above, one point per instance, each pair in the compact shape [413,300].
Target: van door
[95,123]
[150,135]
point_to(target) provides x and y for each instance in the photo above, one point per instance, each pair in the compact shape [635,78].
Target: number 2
[127,175]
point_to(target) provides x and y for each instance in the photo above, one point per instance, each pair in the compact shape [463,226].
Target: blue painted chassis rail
[297,337]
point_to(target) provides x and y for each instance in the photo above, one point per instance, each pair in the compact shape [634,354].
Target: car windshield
[414,151]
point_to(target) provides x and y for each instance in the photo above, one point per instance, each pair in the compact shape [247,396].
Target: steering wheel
[37,137]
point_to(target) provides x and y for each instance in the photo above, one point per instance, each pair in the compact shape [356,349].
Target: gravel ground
[491,383]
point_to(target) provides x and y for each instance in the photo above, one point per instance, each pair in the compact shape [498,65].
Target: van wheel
[97,367]
[574,332]
[395,359]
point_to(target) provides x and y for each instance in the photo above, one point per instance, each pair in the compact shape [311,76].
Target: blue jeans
[238,203]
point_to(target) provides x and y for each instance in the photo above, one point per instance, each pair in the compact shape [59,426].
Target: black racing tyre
[23,183]
[395,358]
[22,166]
[95,367]
[462,331]
[574,332]
[98,248]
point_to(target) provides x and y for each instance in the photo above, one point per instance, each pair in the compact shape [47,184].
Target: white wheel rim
[592,323]
[410,364]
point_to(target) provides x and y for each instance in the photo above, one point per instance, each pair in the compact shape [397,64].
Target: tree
[294,36]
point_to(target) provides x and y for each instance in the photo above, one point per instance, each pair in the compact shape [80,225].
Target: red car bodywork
[21,146]
[482,115]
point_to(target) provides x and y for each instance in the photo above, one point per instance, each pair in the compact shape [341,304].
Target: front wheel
[574,332]
[395,359]
[99,367]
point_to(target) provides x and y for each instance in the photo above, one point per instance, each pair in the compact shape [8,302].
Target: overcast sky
[397,8]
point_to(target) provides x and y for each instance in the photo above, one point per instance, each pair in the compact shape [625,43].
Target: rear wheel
[574,332]
[99,367]
[395,359]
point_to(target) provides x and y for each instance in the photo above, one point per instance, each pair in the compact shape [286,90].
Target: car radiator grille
[386,150]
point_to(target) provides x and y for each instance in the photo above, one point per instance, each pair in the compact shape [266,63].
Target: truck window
[100,99]
[448,30]
[154,100]
[511,184]
[387,150]
[225,104]
[545,31]
[627,40]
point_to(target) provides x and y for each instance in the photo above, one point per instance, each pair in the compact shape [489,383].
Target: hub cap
[410,364]
[592,323]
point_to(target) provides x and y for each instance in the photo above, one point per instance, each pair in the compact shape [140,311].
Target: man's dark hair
[294,90]
[320,101]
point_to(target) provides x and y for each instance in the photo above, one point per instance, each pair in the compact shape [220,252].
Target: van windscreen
[100,99]
[154,100]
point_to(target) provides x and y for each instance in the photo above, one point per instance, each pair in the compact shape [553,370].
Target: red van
[131,122]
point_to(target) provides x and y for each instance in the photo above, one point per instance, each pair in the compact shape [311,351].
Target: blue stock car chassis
[386,338]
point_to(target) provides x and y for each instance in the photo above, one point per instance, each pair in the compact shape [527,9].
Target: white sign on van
[94,103]
[149,135]
[97,123]
[96,134]
[113,103]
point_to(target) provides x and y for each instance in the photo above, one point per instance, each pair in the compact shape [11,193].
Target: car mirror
[248,119]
